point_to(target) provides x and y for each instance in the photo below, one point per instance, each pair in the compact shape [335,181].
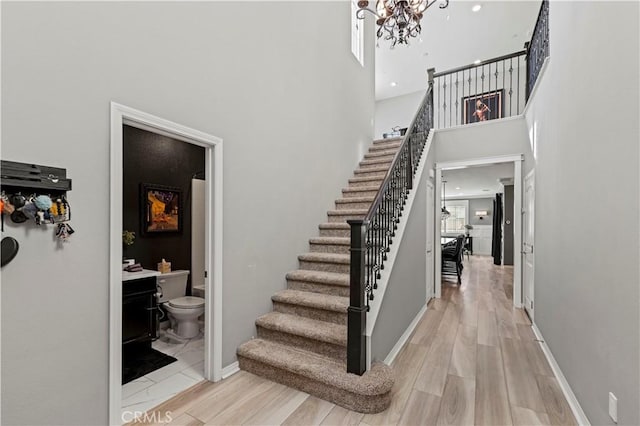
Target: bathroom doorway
[166,221]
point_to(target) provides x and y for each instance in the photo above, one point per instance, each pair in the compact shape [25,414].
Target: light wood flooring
[472,359]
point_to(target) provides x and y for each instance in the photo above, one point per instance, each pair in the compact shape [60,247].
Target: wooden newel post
[357,311]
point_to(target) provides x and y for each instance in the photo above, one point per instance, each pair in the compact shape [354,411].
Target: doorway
[122,116]
[516,161]
[527,243]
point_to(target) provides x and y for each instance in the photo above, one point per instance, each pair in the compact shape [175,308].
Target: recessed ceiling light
[457,187]
[476,7]
[421,40]
[477,61]
[394,84]
[485,190]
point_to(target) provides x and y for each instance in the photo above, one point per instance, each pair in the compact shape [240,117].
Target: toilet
[183,310]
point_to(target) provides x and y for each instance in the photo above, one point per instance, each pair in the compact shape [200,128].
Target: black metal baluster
[475,100]
[489,89]
[500,98]
[510,86]
[438,83]
[457,101]
[518,89]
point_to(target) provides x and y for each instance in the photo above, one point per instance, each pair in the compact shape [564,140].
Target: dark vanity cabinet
[139,310]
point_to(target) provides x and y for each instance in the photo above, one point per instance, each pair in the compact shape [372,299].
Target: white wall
[396,111]
[583,123]
[487,139]
[292,104]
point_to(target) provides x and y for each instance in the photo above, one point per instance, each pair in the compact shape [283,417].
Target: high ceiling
[476,181]
[454,37]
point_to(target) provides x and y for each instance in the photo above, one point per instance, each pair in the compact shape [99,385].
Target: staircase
[303,342]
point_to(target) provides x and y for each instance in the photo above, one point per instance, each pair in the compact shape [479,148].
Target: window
[357,34]
[459,210]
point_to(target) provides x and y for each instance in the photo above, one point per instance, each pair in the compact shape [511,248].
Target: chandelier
[398,20]
[444,215]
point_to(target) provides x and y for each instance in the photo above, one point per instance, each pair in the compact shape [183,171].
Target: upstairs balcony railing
[492,89]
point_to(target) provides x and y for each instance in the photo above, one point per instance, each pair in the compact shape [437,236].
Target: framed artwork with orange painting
[161,208]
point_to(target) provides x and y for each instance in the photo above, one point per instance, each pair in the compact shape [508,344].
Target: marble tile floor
[158,386]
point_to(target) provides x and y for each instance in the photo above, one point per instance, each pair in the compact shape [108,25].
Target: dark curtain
[496,242]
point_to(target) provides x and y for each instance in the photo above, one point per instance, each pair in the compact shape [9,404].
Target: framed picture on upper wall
[482,107]
[161,208]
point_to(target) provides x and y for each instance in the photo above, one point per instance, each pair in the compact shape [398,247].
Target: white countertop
[145,273]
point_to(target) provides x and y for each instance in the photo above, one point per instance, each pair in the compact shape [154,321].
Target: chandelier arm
[363,9]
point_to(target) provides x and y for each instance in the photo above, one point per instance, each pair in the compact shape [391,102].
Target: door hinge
[206,274]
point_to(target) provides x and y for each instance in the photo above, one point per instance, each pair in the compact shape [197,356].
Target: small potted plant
[128,238]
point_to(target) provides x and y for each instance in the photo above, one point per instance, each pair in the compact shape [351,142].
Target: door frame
[517,217]
[532,312]
[432,293]
[121,115]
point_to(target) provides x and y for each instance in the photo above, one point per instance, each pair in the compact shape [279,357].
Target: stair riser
[353,206]
[329,248]
[348,400]
[335,233]
[353,194]
[381,154]
[376,182]
[324,267]
[375,162]
[344,217]
[370,173]
[313,313]
[322,348]
[333,290]
[384,146]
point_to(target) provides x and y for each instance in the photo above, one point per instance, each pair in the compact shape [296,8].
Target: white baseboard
[580,416]
[405,336]
[230,370]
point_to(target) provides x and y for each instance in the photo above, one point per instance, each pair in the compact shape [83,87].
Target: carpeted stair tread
[365,179]
[376,161]
[384,140]
[379,169]
[394,145]
[377,381]
[334,225]
[330,278]
[346,212]
[357,189]
[342,241]
[321,331]
[355,200]
[344,259]
[312,300]
[381,153]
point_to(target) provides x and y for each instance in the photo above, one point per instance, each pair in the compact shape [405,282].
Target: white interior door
[527,242]
[430,236]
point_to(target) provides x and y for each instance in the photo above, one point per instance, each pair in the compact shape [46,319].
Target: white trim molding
[121,115]
[393,353]
[578,413]
[230,370]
